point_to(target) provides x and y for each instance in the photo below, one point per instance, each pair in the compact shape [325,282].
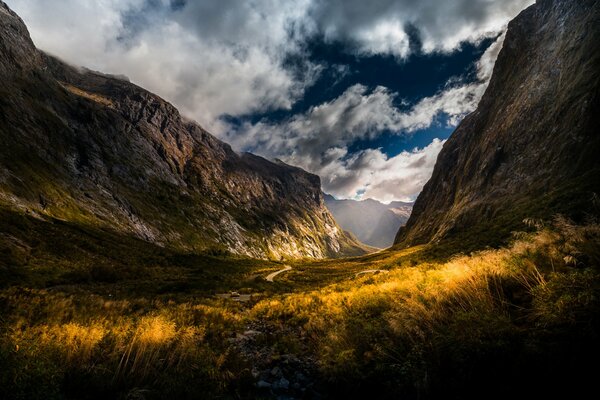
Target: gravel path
[372,271]
[272,276]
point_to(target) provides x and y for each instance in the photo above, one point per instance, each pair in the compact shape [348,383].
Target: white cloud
[385,37]
[380,26]
[485,65]
[372,174]
[212,58]
[228,57]
[318,140]
[400,177]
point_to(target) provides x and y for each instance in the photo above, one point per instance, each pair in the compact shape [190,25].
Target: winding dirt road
[372,271]
[272,276]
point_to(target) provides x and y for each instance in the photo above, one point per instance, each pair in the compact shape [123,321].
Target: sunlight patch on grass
[105,101]
[420,326]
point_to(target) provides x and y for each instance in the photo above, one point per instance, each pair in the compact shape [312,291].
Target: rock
[124,159]
[282,383]
[247,335]
[263,384]
[530,150]
[276,371]
[300,377]
[265,374]
[290,359]
[137,394]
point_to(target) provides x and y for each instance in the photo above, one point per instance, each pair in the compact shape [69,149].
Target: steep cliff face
[531,149]
[98,151]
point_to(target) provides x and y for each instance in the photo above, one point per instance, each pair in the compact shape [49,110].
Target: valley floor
[512,322]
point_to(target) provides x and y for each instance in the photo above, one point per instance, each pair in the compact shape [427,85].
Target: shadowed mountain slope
[531,148]
[97,151]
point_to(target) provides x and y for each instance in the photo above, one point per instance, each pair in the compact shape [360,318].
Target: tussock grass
[459,325]
[56,343]
[485,324]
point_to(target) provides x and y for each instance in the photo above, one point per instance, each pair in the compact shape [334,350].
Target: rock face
[531,149]
[96,150]
[372,222]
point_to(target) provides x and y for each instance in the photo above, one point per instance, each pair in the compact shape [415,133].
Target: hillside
[373,223]
[100,153]
[118,219]
[530,150]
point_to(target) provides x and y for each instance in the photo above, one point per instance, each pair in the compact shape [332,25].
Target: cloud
[229,57]
[318,140]
[401,177]
[208,58]
[372,174]
[381,26]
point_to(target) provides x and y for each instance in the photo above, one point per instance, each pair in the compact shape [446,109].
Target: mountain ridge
[530,149]
[99,151]
[374,223]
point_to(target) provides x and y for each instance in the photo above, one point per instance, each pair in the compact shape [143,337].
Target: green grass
[54,253]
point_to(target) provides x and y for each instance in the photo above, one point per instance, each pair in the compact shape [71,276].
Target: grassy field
[520,321]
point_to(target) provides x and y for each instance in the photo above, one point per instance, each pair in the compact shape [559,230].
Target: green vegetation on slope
[522,319]
[45,253]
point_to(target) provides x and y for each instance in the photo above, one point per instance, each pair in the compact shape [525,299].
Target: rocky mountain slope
[531,148]
[98,152]
[372,222]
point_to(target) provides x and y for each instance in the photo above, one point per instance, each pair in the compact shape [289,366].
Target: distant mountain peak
[371,221]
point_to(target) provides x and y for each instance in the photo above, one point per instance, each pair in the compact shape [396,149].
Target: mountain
[94,151]
[531,148]
[372,222]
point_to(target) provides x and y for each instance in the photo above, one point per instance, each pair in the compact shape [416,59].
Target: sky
[362,93]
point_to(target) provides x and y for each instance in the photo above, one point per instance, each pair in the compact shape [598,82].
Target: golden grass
[401,321]
[105,101]
[356,320]
[131,343]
